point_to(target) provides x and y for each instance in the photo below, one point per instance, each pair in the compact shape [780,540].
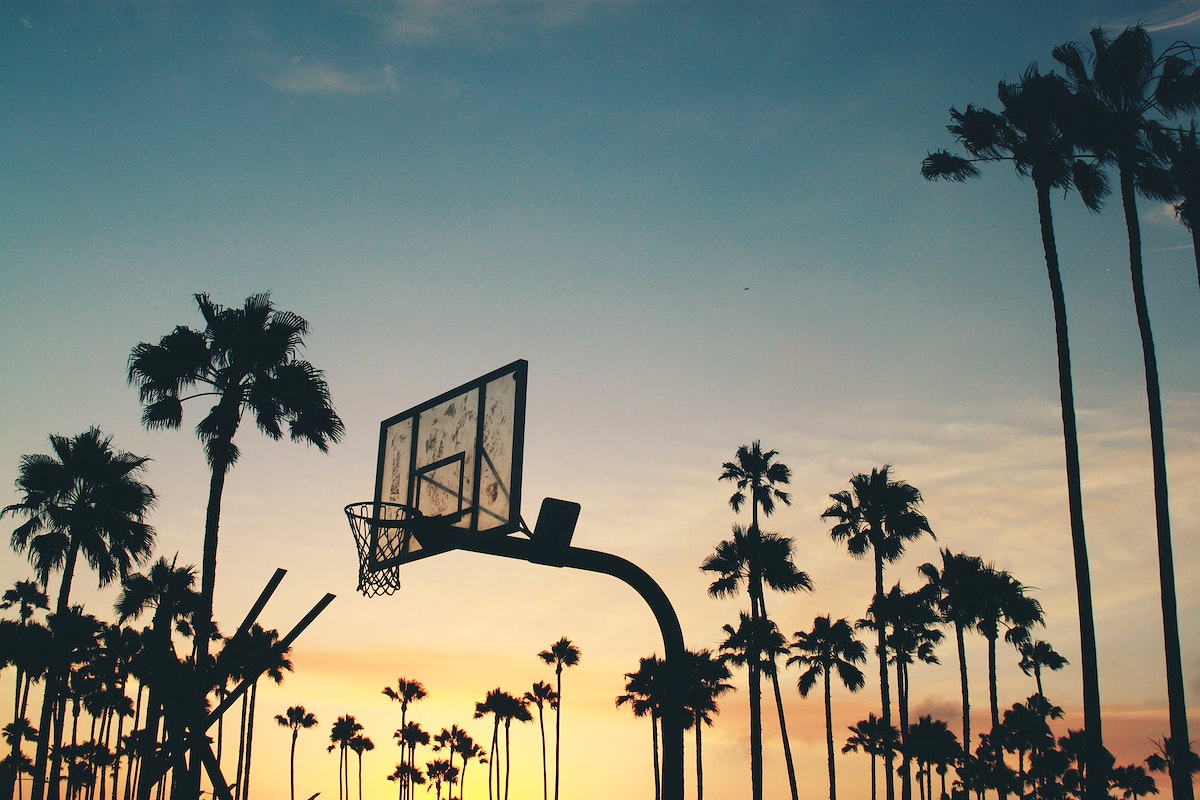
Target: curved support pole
[664,613]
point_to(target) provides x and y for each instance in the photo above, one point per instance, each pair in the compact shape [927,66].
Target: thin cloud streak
[324,79]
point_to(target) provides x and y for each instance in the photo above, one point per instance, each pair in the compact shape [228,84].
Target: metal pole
[664,613]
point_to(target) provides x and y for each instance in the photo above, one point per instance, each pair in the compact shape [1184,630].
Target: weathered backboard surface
[456,458]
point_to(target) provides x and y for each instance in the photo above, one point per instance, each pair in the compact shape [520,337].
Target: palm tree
[705,683]
[878,515]
[1038,654]
[872,737]
[828,647]
[492,704]
[956,586]
[406,777]
[23,649]
[340,734]
[296,718]
[561,654]
[1003,602]
[769,555]
[360,744]
[1029,134]
[512,708]
[909,619]
[411,736]
[1128,86]
[85,499]
[247,359]
[469,750]
[1184,166]
[758,476]
[406,692]
[1169,757]
[931,743]
[642,693]
[1132,781]
[541,695]
[452,739]
[441,771]
[168,590]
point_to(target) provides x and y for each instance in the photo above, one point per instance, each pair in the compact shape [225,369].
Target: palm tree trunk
[1181,780]
[292,764]
[787,747]
[545,774]
[829,736]
[889,756]
[752,664]
[245,793]
[657,769]
[557,733]
[1089,666]
[699,763]
[902,702]
[962,677]
[508,757]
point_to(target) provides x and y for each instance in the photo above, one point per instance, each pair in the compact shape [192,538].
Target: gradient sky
[702,224]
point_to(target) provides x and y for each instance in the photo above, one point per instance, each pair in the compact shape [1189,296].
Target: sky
[702,224]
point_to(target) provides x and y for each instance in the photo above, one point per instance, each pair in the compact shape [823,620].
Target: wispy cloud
[1180,14]
[326,79]
[428,21]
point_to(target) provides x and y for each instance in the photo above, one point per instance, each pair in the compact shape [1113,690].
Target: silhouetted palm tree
[1003,602]
[734,560]
[704,684]
[247,359]
[441,771]
[956,585]
[642,693]
[878,515]
[493,704]
[1127,88]
[411,736]
[1038,654]
[930,743]
[25,647]
[1132,781]
[758,477]
[541,695]
[296,718]
[86,499]
[406,776]
[872,737]
[168,590]
[1184,166]
[561,654]
[340,734]
[360,744]
[469,750]
[1029,134]
[829,647]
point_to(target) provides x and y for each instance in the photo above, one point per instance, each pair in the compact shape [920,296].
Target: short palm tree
[828,648]
[296,718]
[342,731]
[84,500]
[643,695]
[408,739]
[1128,91]
[1132,781]
[24,646]
[872,737]
[1029,134]
[1038,654]
[878,516]
[560,654]
[758,477]
[360,744]
[441,771]
[931,743]
[705,683]
[541,695]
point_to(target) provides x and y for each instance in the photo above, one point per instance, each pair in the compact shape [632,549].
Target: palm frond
[943,165]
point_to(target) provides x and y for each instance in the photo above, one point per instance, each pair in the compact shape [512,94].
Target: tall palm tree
[1127,89]
[1028,132]
[296,718]
[86,499]
[878,515]
[247,360]
[705,683]
[956,585]
[757,476]
[340,734]
[829,647]
[469,750]
[511,708]
[872,737]
[406,692]
[643,694]
[561,654]
[493,704]
[541,695]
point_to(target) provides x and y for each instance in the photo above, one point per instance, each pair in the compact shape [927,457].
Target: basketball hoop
[382,533]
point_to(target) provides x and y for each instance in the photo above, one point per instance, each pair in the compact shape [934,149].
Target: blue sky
[702,223]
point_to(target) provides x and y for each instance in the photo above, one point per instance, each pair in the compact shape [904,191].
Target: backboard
[457,460]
